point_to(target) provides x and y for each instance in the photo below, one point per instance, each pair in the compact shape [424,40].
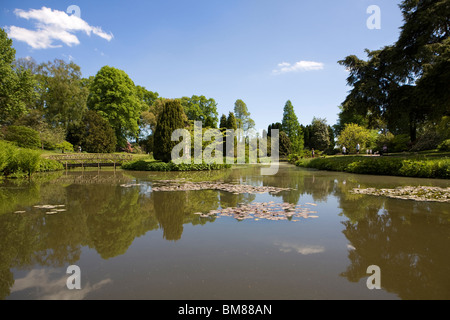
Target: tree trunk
[412,128]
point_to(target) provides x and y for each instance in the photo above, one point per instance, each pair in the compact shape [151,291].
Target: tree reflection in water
[408,240]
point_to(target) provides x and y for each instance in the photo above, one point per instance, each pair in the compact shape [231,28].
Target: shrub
[436,168]
[142,165]
[428,141]
[65,146]
[352,135]
[5,153]
[400,143]
[28,161]
[444,146]
[17,162]
[47,165]
[21,162]
[22,136]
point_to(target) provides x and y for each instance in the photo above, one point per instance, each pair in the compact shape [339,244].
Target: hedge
[142,165]
[432,168]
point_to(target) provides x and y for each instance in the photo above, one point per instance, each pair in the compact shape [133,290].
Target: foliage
[429,140]
[285,144]
[113,95]
[444,146]
[428,168]
[274,126]
[48,165]
[231,121]
[348,115]
[17,162]
[320,137]
[405,85]
[401,143]
[142,165]
[292,127]
[50,136]
[23,136]
[150,115]
[93,134]
[65,146]
[352,135]
[223,122]
[62,92]
[243,120]
[331,137]
[147,144]
[171,119]
[17,84]
[199,108]
[385,139]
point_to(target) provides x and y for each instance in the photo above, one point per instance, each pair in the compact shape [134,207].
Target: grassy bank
[152,165]
[436,166]
[18,162]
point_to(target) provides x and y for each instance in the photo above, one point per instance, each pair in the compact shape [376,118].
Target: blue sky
[264,52]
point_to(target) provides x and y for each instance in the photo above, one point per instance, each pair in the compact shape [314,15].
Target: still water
[134,243]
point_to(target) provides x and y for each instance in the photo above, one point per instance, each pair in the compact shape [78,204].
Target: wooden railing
[91,159]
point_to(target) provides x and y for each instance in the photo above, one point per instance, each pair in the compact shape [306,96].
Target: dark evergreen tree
[223,122]
[171,119]
[231,125]
[292,128]
[274,126]
[332,137]
[231,121]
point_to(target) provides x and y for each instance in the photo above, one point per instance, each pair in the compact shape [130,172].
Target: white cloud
[52,26]
[299,66]
[49,287]
[302,249]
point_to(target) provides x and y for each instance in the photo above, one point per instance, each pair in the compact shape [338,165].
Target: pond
[132,242]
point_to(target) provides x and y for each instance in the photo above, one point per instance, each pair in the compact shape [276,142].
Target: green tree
[285,144]
[292,128]
[199,108]
[243,120]
[274,126]
[50,136]
[93,134]
[352,135]
[331,138]
[320,137]
[406,84]
[113,95]
[231,125]
[17,84]
[348,114]
[223,122]
[147,119]
[64,95]
[171,119]
[231,121]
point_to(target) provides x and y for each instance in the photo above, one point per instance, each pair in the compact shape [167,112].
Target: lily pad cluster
[264,211]
[421,193]
[174,185]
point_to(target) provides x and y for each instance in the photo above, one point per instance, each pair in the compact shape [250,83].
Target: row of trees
[99,114]
[399,97]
